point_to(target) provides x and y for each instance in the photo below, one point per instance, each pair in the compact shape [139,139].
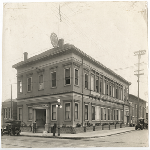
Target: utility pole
[139,53]
[11,103]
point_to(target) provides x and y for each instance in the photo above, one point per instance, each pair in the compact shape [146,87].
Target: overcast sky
[110,32]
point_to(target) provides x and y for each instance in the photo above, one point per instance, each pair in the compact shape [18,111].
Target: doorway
[40,117]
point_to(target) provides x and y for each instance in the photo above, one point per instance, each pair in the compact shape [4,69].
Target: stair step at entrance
[40,129]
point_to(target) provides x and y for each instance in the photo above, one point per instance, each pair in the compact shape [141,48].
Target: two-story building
[133,108]
[88,90]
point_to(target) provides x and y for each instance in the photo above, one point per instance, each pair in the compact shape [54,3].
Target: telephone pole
[138,53]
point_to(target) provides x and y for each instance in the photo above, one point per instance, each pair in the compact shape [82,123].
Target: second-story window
[67,76]
[29,84]
[53,79]
[86,81]
[97,87]
[92,82]
[100,86]
[107,90]
[20,86]
[110,90]
[116,92]
[76,77]
[41,82]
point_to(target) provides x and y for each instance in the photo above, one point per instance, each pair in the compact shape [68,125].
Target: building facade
[88,91]
[133,108]
[6,111]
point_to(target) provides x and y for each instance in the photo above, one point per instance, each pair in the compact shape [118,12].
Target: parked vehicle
[12,128]
[141,124]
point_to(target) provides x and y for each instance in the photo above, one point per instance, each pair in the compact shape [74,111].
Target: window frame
[87,112]
[65,76]
[19,86]
[93,106]
[77,111]
[85,80]
[28,113]
[5,113]
[75,76]
[97,84]
[54,104]
[41,82]
[65,111]
[109,114]
[92,75]
[52,80]
[27,84]
[19,113]
[9,112]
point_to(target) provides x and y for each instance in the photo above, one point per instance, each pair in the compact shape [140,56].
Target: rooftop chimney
[25,56]
[61,43]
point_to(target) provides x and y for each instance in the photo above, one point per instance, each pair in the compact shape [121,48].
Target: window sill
[54,87]
[40,89]
[29,120]
[77,119]
[67,85]
[76,85]
[53,120]
[29,91]
[67,120]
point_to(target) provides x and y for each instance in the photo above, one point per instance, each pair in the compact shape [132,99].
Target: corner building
[88,91]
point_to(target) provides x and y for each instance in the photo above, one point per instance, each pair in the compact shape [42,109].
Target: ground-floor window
[93,112]
[114,114]
[9,112]
[117,114]
[29,113]
[76,110]
[54,112]
[20,114]
[86,112]
[108,113]
[101,113]
[67,111]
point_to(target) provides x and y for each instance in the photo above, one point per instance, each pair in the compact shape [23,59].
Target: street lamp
[59,106]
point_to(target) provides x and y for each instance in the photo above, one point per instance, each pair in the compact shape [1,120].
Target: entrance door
[40,117]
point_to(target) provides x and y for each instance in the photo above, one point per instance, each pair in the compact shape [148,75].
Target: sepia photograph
[74,74]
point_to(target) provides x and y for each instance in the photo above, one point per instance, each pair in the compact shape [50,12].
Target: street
[137,138]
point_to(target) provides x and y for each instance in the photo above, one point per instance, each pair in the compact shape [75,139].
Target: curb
[75,137]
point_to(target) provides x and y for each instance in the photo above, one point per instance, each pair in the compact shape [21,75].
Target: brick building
[6,111]
[133,108]
[88,91]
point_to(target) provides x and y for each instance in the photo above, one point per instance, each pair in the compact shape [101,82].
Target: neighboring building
[147,113]
[133,108]
[89,91]
[6,111]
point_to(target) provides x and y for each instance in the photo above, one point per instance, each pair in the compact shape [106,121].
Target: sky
[110,32]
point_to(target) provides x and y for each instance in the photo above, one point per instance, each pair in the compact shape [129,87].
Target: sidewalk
[93,134]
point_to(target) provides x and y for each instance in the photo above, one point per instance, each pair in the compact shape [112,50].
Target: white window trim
[28,112]
[78,110]
[65,111]
[18,113]
[19,86]
[88,113]
[51,79]
[95,112]
[92,75]
[88,80]
[74,76]
[27,84]
[64,76]
[109,114]
[39,82]
[51,112]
